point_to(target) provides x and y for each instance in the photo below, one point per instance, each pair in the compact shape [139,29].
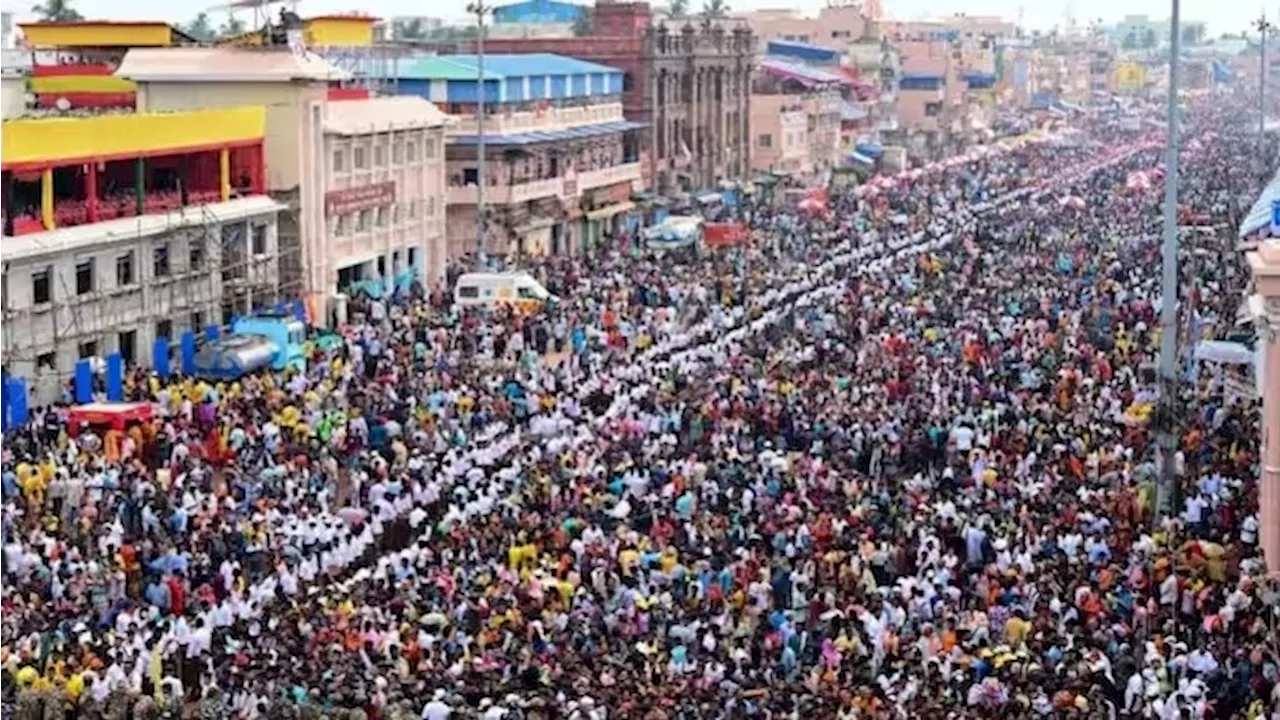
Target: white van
[517,288]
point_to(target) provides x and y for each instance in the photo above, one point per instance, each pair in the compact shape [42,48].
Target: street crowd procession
[893,458]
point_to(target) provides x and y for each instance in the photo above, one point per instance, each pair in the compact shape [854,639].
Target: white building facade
[117,286]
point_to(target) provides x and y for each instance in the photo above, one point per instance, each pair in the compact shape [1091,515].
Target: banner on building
[364,197]
[723,235]
[1130,77]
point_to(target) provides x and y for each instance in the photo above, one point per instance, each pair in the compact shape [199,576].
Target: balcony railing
[552,118]
[559,187]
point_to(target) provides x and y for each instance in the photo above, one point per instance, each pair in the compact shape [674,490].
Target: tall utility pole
[479,9]
[1167,488]
[1263,26]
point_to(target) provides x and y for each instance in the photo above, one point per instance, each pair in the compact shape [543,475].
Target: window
[88,349]
[397,152]
[339,160]
[124,269]
[195,256]
[411,152]
[160,260]
[379,155]
[41,287]
[339,225]
[469,291]
[164,329]
[397,213]
[127,344]
[471,176]
[363,220]
[84,277]
[197,320]
[259,240]
[413,257]
[430,148]
[413,209]
[431,206]
[47,361]
[932,109]
[628,82]
[380,217]
[359,162]
[765,141]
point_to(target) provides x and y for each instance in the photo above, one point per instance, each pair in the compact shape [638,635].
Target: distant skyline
[1222,16]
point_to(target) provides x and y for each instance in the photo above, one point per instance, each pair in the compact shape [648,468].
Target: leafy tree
[1130,41]
[679,9]
[57,11]
[1149,39]
[200,28]
[715,9]
[232,27]
[582,25]
[411,30]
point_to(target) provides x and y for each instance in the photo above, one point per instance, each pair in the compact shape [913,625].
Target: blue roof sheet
[799,49]
[531,138]
[528,64]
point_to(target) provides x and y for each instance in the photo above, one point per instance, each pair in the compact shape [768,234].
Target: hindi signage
[364,197]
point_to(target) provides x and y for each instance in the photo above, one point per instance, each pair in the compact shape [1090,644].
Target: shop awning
[858,157]
[804,74]
[710,198]
[1259,216]
[609,211]
[871,150]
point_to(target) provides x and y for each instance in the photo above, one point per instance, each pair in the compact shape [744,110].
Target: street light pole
[1167,488]
[479,9]
[1264,28]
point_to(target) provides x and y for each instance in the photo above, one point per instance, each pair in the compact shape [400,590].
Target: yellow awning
[610,210]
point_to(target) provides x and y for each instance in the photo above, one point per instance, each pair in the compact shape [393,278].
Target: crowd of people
[896,460]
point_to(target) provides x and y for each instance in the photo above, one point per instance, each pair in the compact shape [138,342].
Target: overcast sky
[1222,15]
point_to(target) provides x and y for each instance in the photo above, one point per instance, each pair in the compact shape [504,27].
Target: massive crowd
[892,462]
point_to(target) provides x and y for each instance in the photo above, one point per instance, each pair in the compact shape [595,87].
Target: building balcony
[507,122]
[563,187]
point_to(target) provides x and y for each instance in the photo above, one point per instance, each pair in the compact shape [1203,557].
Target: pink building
[832,27]
[1265,262]
[784,93]
[384,190]
[781,129]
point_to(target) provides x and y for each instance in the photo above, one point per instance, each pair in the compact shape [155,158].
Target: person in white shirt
[437,708]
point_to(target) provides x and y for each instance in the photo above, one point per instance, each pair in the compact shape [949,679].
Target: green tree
[57,11]
[411,30]
[715,9]
[1149,39]
[679,9]
[1130,41]
[232,27]
[582,25]
[200,28]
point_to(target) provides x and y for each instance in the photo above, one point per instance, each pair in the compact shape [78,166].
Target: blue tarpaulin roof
[802,51]
[871,150]
[1259,216]
[530,138]
[980,80]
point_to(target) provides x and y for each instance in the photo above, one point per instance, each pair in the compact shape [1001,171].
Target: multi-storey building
[298,89]
[124,228]
[72,64]
[561,161]
[796,117]
[384,191]
[689,85]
